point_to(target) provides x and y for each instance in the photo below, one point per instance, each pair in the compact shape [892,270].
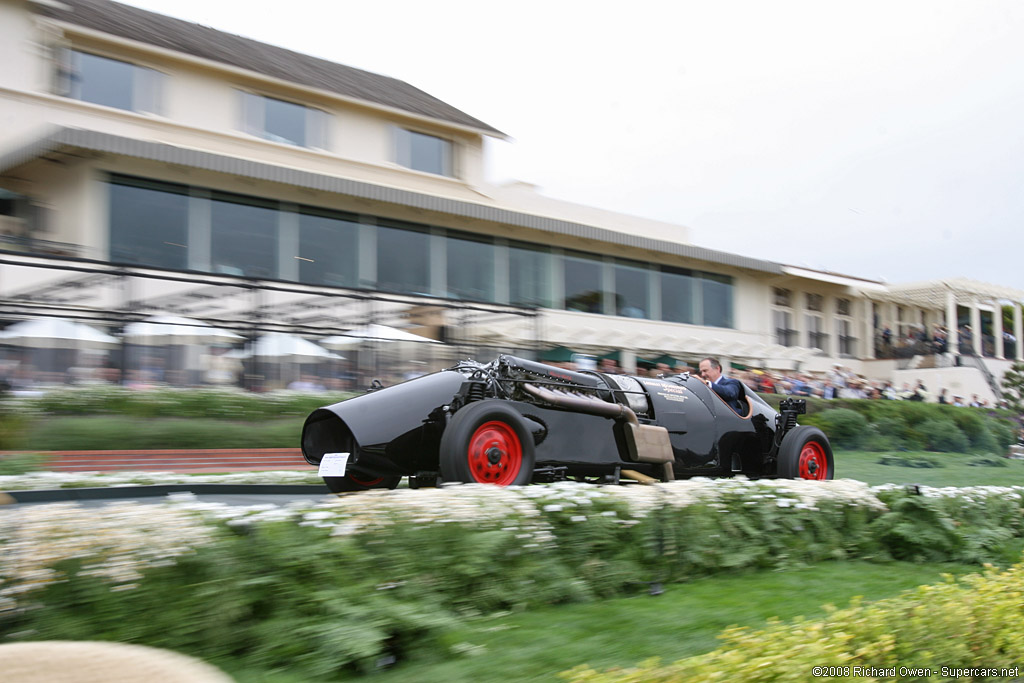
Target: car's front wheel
[354,481]
[805,453]
[487,442]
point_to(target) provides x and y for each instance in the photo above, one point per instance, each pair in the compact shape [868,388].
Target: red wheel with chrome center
[487,442]
[495,454]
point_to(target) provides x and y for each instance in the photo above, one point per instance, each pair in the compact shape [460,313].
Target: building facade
[151,165]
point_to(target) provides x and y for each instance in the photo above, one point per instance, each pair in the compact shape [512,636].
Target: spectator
[942,396]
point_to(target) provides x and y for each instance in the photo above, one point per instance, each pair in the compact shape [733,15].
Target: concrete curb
[108,492]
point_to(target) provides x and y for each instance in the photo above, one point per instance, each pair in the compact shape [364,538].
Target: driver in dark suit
[731,390]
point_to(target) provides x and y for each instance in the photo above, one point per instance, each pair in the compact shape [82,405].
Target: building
[150,165]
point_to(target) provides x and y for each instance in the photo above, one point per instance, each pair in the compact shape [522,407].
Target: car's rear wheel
[353,481]
[487,442]
[805,453]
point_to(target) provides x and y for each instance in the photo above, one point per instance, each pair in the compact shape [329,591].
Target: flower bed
[337,584]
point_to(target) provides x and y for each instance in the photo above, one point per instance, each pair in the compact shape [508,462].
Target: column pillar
[867,338]
[997,329]
[976,328]
[1018,332]
[952,334]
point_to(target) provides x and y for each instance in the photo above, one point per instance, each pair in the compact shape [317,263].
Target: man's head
[710,369]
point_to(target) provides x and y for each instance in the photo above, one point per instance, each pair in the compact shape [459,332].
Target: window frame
[146,84]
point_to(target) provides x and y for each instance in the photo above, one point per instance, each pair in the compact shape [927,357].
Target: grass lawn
[684,620]
[864,466]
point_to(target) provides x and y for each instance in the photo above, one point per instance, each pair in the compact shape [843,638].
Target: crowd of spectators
[838,382]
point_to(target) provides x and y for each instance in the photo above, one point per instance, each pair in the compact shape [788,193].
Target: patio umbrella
[56,333]
[161,330]
[287,346]
[383,333]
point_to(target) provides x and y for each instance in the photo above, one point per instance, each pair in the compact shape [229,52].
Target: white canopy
[56,333]
[171,329]
[279,345]
[383,333]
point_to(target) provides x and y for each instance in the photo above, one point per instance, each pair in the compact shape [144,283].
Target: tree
[1013,387]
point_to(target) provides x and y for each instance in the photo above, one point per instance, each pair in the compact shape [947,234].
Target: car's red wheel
[805,453]
[354,481]
[487,442]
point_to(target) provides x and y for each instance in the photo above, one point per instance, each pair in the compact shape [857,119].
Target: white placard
[333,465]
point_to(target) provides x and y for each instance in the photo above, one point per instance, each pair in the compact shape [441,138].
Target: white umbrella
[383,333]
[56,333]
[279,345]
[171,329]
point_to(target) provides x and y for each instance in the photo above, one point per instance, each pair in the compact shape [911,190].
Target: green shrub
[911,461]
[966,623]
[232,404]
[122,433]
[845,428]
[987,462]
[943,436]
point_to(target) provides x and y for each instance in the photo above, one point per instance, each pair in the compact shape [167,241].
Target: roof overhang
[836,279]
[70,139]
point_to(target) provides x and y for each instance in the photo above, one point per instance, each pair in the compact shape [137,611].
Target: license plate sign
[333,465]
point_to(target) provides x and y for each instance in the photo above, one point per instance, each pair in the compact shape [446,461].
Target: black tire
[487,442]
[805,453]
[353,481]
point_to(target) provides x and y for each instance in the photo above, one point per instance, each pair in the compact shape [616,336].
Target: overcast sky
[876,139]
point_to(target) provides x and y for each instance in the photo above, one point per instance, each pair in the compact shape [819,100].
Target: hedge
[883,425]
[326,589]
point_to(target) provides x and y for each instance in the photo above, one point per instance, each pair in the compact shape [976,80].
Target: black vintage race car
[515,421]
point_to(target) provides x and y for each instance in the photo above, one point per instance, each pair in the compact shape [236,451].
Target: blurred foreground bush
[334,588]
[971,622]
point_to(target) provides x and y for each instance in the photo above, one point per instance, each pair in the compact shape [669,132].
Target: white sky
[877,139]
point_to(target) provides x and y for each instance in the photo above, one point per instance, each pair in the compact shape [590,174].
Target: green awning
[559,354]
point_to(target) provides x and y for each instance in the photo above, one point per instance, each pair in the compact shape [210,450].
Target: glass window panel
[677,287]
[328,250]
[149,87]
[284,121]
[244,237]
[149,224]
[470,269]
[102,81]
[631,290]
[583,289]
[716,292]
[422,152]
[529,275]
[403,260]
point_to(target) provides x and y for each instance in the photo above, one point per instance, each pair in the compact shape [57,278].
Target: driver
[731,390]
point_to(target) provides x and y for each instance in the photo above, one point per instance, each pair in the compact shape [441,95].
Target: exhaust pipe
[644,443]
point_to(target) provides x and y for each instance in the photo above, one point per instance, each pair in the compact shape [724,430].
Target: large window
[785,335]
[470,268]
[282,121]
[328,249]
[677,288]
[422,152]
[583,278]
[529,275]
[110,82]
[243,238]
[816,335]
[403,259]
[148,223]
[632,287]
[716,297]
[179,227]
[847,342]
